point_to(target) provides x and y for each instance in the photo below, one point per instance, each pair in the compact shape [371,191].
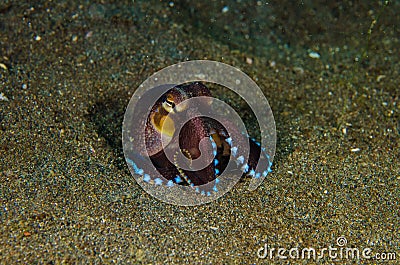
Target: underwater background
[329,69]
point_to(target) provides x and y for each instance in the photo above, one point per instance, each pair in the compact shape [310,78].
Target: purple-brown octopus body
[166,131]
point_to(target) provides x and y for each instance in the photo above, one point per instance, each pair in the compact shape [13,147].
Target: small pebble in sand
[380,77]
[89,34]
[225,9]
[2,97]
[314,55]
[298,70]
[272,64]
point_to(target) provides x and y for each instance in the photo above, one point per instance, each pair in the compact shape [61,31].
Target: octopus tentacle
[181,172]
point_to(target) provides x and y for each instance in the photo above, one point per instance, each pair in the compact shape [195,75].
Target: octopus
[174,124]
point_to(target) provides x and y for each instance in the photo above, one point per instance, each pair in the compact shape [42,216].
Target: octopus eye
[170,103]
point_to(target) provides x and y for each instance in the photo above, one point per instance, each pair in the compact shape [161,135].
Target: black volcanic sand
[67,73]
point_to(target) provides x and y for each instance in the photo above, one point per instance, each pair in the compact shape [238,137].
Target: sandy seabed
[67,71]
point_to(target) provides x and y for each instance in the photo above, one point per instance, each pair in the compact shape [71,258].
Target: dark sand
[68,71]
